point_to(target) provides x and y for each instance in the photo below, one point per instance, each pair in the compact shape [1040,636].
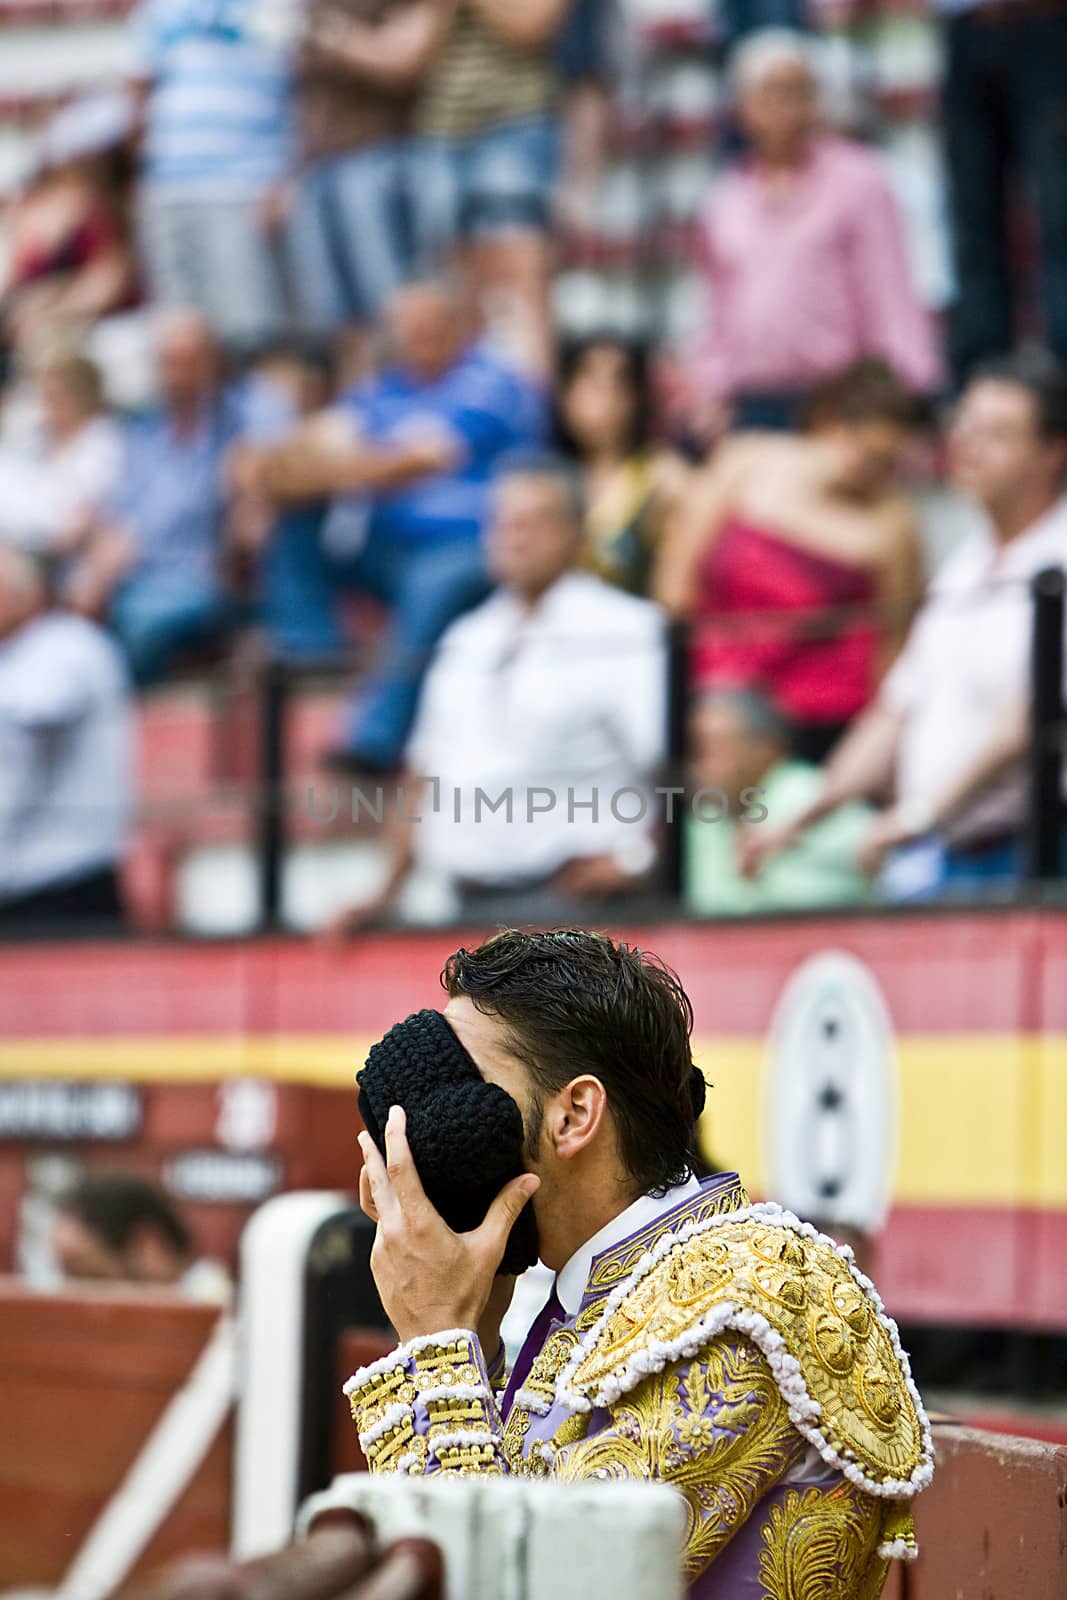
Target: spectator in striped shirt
[217,149]
[486,160]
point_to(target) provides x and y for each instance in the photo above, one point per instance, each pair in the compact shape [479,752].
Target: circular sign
[831,1112]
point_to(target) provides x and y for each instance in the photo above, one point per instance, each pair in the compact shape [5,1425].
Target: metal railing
[1043,827]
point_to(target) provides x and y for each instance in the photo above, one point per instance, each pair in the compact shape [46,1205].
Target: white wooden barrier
[525,1539]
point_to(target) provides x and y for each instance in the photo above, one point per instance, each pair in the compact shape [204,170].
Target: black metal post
[1046,727]
[271,819]
[677,711]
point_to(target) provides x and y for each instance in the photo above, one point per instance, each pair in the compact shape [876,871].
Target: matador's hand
[430,1279]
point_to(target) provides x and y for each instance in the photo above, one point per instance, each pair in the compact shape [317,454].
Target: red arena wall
[977,1232]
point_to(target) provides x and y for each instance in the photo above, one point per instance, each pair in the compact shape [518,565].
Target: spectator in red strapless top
[797,558]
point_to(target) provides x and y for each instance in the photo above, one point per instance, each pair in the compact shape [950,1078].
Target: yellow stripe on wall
[983,1116]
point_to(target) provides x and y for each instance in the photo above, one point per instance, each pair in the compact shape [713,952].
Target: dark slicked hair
[577,1002]
[114,1206]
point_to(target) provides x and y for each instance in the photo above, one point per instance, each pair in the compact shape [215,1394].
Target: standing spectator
[743,773]
[154,562]
[945,738]
[542,721]
[1004,110]
[51,496]
[65,774]
[218,144]
[487,158]
[632,490]
[350,231]
[409,457]
[798,558]
[804,256]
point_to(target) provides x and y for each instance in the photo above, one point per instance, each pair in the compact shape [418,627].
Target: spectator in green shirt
[742,777]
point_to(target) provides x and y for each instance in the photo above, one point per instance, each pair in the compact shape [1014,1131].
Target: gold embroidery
[515,1430]
[452,1417]
[615,1265]
[388,1447]
[808,1295]
[589,1315]
[571,1429]
[898,1523]
[462,1458]
[541,1381]
[820,1544]
[550,1363]
[717,1430]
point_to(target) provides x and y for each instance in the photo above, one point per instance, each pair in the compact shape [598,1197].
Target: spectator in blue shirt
[154,563]
[405,463]
[218,145]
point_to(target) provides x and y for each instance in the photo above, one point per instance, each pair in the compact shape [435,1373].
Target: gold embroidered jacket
[727,1349]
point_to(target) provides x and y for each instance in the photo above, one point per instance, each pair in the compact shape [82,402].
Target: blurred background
[466,462]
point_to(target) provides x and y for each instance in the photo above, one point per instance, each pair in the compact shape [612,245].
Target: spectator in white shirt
[64,759]
[50,494]
[944,742]
[540,727]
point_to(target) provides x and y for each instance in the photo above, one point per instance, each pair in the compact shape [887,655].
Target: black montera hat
[466,1135]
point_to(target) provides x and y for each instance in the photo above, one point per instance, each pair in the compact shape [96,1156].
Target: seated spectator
[486,161]
[115,1227]
[798,558]
[742,773]
[632,490]
[154,562]
[216,152]
[68,242]
[51,496]
[65,778]
[540,726]
[350,227]
[804,259]
[409,457]
[946,737]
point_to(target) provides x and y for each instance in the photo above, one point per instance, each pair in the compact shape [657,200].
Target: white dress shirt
[65,754]
[534,1287]
[965,665]
[567,699]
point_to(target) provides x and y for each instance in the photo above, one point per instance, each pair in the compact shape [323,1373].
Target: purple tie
[532,1345]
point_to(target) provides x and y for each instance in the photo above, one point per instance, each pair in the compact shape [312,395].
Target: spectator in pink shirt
[804,255]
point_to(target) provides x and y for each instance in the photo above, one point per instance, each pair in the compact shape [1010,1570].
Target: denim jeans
[349,239]
[492,182]
[1005,106]
[157,615]
[425,587]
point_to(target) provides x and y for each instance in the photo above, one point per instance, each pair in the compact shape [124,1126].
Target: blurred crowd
[347,425]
